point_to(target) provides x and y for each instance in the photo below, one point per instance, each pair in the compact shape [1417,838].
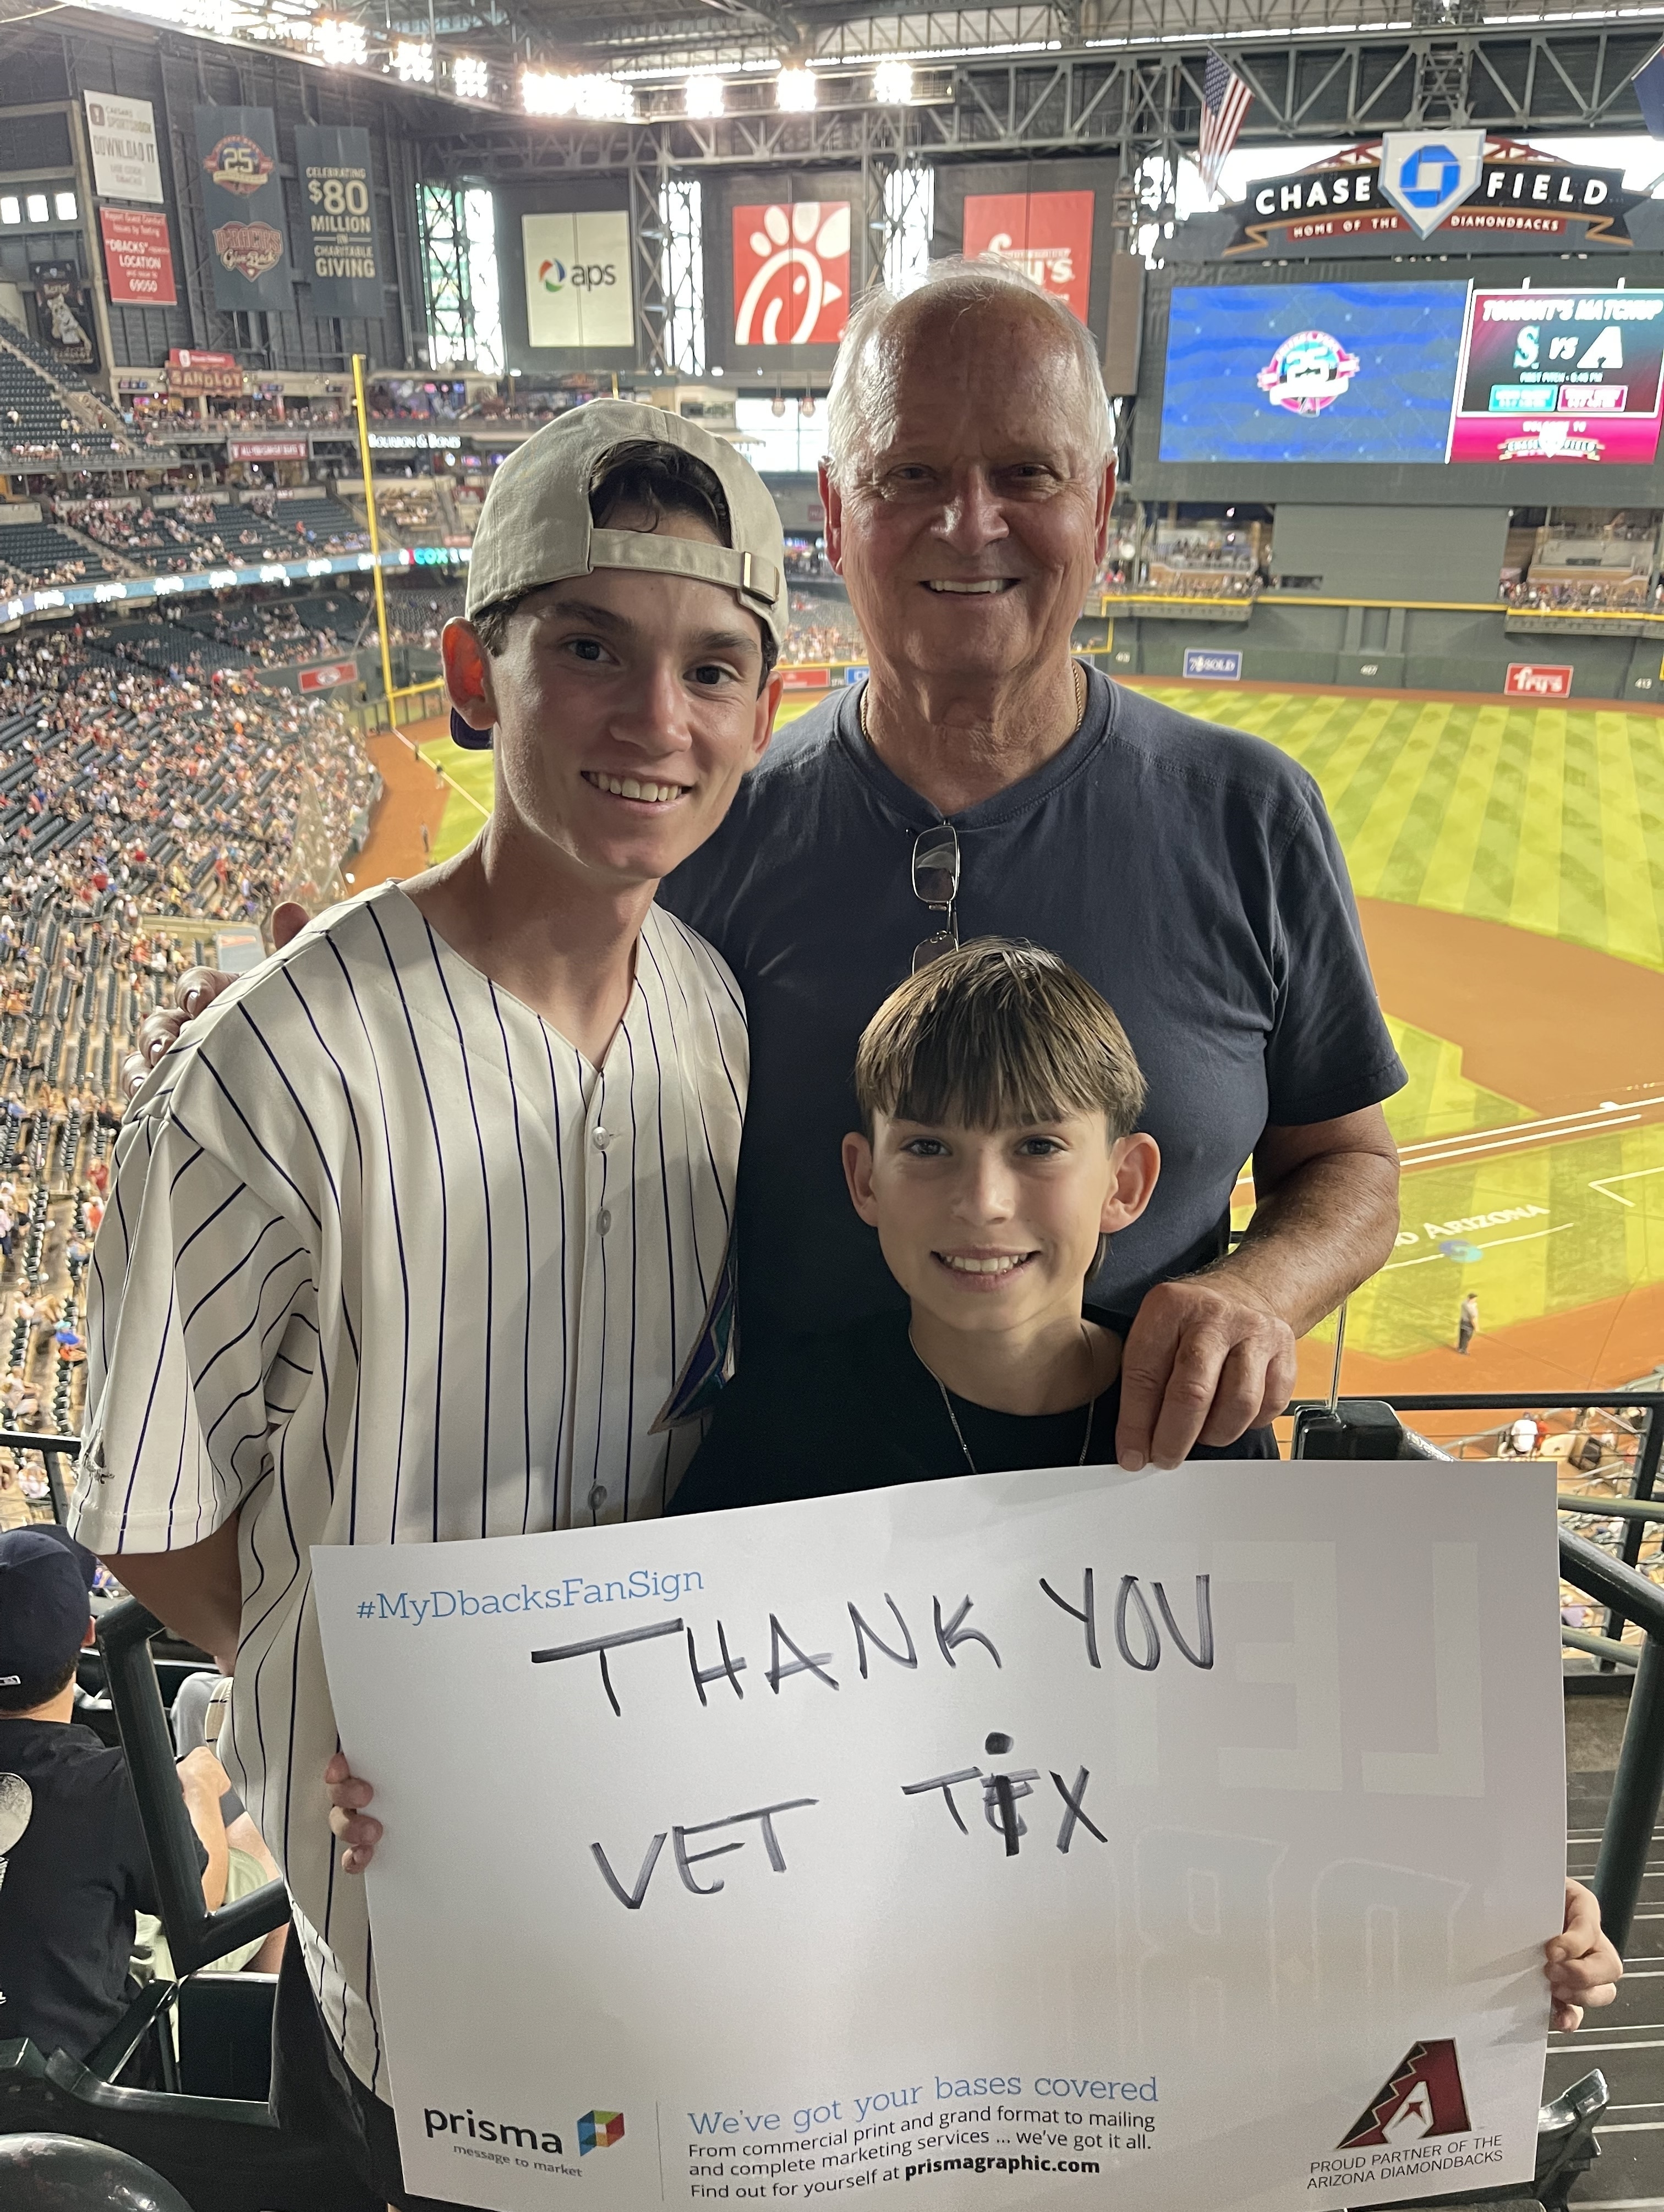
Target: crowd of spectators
[131,790]
[823,629]
[1613,593]
[71,569]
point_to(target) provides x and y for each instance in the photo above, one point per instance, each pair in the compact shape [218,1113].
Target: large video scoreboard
[1440,374]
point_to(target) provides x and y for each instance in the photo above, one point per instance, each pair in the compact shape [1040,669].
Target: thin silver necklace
[948,1403]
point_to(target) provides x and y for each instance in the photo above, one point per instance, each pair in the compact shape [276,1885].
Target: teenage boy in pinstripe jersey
[422,1234]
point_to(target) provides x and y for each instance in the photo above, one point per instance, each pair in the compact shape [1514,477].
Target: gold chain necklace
[1079,668]
[948,1403]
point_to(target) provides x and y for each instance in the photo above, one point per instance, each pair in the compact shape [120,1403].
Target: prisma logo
[600,2131]
[1423,2097]
[496,2132]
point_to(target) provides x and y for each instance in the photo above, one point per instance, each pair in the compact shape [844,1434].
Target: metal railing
[1614,1581]
[195,1935]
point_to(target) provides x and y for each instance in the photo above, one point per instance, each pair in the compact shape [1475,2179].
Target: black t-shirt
[858,1410]
[1190,873]
[76,1875]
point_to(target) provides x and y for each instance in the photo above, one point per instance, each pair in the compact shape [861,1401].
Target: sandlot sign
[1036,1828]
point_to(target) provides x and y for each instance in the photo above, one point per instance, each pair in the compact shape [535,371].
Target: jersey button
[602,1139]
[597,1496]
[604,1220]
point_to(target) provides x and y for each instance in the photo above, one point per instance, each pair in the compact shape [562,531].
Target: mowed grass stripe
[1582,915]
[1416,734]
[1448,881]
[1425,804]
[1534,902]
[1632,914]
[1361,769]
[1646,764]
[1495,850]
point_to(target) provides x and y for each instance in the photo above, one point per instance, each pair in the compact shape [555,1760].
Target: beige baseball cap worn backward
[535,526]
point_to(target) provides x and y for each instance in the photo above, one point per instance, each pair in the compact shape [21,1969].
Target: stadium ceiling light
[471,77]
[596,99]
[340,44]
[704,95]
[794,91]
[412,61]
[893,84]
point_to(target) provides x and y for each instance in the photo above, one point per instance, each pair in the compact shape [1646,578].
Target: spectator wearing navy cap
[74,1866]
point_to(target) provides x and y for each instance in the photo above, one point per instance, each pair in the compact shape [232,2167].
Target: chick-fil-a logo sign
[791,273]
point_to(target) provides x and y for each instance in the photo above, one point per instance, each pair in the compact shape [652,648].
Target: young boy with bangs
[999,1147]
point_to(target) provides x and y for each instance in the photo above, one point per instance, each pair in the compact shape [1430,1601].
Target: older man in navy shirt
[984,780]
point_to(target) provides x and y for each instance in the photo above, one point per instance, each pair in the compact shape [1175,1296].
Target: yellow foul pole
[362,410]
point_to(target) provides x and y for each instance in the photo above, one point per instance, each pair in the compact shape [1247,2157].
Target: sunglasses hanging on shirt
[935,883]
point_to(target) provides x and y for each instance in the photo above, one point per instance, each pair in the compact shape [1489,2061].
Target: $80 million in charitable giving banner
[1015,1840]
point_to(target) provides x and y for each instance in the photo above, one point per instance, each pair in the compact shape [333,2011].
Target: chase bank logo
[600,2131]
[1427,175]
[1307,372]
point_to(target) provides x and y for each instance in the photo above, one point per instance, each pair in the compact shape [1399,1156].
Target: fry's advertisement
[1017,1841]
[1046,236]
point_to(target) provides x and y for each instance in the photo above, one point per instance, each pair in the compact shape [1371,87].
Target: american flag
[1225,101]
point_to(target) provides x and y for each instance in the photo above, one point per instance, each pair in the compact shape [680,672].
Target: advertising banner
[1560,376]
[1212,665]
[328,674]
[1445,188]
[791,273]
[333,172]
[191,370]
[1047,236]
[267,448]
[122,136]
[237,165]
[578,292]
[138,259]
[64,314]
[1528,679]
[1027,1840]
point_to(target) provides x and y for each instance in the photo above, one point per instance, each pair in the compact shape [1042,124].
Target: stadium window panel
[910,201]
[11,208]
[480,222]
[63,206]
[682,274]
[36,205]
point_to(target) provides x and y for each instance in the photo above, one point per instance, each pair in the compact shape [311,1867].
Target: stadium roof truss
[1550,77]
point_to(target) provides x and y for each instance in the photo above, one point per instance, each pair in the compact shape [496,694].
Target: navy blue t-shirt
[1190,871]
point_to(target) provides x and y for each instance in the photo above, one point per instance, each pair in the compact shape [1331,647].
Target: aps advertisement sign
[578,290]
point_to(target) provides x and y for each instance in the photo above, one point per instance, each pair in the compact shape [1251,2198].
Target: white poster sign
[578,292]
[1181,1838]
[122,134]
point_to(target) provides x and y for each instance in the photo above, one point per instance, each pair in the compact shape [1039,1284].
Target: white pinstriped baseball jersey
[385,1259]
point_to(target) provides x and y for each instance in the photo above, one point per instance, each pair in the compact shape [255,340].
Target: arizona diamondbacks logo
[1423,2097]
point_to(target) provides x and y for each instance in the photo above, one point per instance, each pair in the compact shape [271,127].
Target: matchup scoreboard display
[1412,373]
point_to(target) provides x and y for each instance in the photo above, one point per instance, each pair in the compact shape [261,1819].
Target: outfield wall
[1385,646]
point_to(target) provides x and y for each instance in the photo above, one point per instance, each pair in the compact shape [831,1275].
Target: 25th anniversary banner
[1006,1840]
